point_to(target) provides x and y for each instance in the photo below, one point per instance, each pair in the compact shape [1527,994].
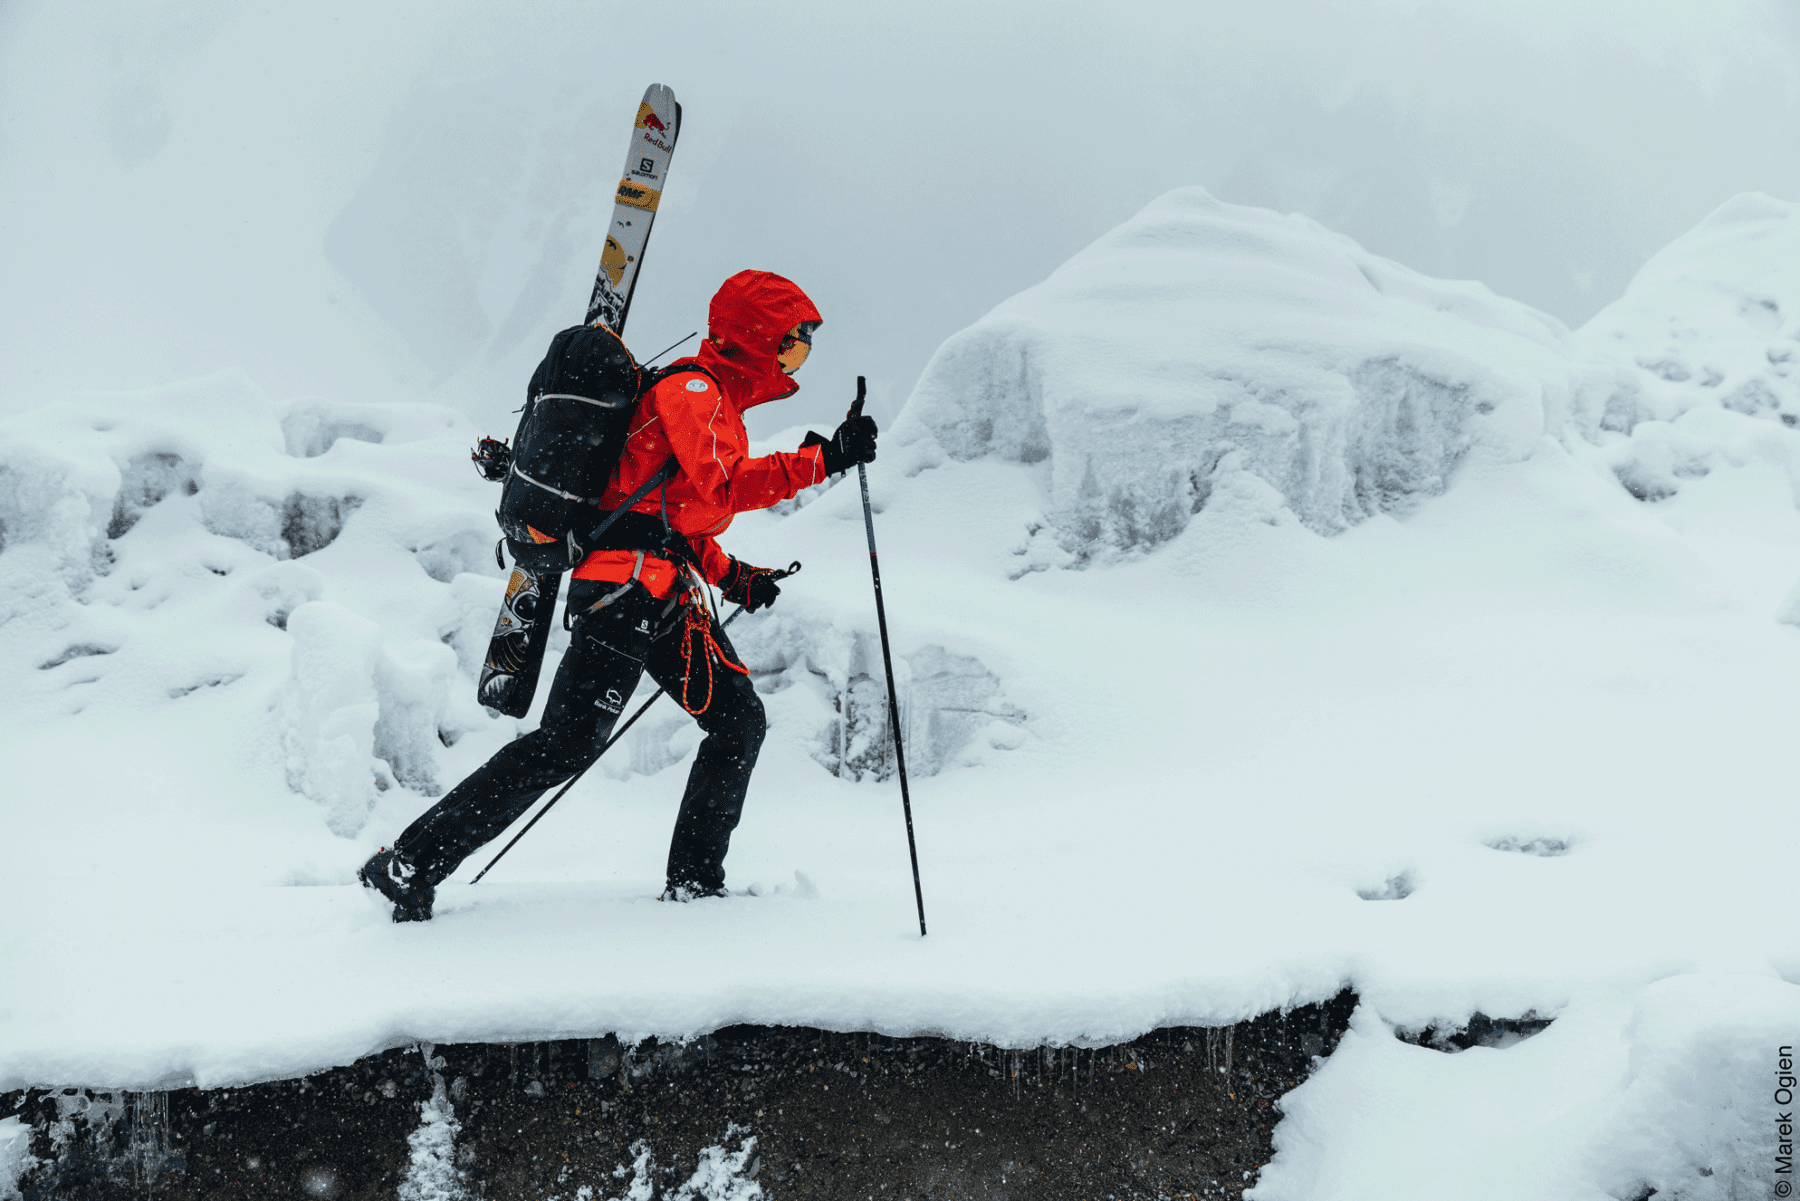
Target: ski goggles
[795,346]
[803,333]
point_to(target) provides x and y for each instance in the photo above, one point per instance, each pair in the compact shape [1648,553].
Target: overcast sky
[404,200]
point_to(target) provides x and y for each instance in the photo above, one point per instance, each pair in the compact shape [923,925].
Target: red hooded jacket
[700,424]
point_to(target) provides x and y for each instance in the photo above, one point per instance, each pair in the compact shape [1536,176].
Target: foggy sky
[404,200]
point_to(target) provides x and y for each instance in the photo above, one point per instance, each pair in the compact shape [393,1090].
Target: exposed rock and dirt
[746,1112]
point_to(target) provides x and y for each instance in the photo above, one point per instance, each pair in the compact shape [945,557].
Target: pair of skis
[515,654]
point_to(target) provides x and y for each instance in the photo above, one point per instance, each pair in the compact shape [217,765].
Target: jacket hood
[750,314]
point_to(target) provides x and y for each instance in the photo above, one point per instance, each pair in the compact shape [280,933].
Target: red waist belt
[658,576]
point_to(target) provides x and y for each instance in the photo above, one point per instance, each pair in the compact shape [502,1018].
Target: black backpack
[578,411]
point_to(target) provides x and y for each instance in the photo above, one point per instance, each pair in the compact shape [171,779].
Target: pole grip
[862,390]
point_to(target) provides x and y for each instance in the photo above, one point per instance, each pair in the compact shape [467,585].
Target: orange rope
[697,627]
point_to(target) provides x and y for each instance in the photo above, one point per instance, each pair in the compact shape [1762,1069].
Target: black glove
[853,443]
[752,587]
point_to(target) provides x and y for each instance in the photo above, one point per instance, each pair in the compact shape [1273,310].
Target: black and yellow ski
[515,654]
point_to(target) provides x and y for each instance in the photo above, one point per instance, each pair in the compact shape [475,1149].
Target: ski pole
[616,735]
[887,661]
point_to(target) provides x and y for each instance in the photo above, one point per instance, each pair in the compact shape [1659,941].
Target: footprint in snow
[1394,888]
[1544,847]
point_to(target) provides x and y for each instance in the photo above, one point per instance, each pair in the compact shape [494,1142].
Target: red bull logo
[656,130]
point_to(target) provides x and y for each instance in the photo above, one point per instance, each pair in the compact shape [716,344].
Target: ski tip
[659,99]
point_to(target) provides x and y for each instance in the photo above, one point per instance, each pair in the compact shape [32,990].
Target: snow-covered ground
[1271,618]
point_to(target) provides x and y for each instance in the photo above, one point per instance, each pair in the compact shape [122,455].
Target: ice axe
[791,569]
[887,661]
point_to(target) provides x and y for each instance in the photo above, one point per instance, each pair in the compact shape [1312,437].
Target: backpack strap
[663,373]
[663,476]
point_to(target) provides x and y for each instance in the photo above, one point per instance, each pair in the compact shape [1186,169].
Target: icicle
[148,1149]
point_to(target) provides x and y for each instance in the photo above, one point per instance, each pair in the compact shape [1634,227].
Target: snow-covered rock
[1202,342]
[307,561]
[1705,349]
[1712,319]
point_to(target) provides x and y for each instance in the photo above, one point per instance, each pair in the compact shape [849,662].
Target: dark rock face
[800,1114]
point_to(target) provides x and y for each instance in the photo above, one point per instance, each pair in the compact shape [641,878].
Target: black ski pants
[609,653]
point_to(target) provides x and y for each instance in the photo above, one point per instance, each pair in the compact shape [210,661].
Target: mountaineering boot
[690,892]
[397,880]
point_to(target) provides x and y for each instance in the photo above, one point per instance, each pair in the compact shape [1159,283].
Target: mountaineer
[638,602]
